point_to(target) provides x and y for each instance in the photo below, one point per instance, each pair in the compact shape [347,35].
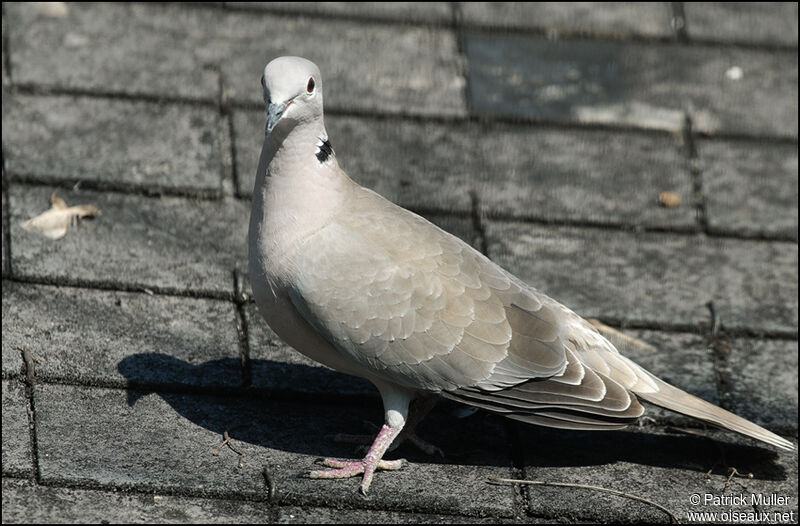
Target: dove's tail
[676,400]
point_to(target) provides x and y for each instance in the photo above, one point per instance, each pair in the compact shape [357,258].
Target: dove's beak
[274,114]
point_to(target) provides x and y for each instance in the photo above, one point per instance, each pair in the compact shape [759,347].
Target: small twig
[234,448]
[734,473]
[714,319]
[224,442]
[270,483]
[586,486]
[29,361]
[722,460]
[227,442]
[718,342]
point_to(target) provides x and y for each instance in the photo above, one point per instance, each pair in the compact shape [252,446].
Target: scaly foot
[346,469]
[372,462]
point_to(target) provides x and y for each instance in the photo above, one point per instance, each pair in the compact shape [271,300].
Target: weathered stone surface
[665,468]
[614,19]
[17,457]
[13,364]
[5,233]
[4,77]
[760,379]
[770,23]
[26,502]
[135,49]
[654,278]
[425,12]
[579,81]
[144,440]
[89,48]
[136,242]
[117,143]
[318,515]
[759,98]
[91,336]
[648,86]
[165,442]
[475,448]
[750,187]
[584,176]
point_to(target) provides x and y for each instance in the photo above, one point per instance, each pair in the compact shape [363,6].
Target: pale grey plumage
[367,287]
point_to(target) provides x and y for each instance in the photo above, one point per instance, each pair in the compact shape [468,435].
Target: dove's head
[292,92]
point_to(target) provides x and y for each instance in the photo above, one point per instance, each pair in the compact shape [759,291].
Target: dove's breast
[286,212]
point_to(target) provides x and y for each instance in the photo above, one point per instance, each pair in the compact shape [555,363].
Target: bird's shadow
[304,408]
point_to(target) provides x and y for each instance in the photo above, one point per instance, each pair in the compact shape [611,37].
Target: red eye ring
[311,84]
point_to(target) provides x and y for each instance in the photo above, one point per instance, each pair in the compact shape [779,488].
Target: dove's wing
[424,309]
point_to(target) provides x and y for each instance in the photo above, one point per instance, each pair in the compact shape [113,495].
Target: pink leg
[368,465]
[420,409]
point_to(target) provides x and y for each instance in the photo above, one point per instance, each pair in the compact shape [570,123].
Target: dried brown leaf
[669,199]
[54,222]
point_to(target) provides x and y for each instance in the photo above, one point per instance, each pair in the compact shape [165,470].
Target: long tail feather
[674,399]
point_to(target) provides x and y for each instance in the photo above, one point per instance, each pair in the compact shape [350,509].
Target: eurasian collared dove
[366,287]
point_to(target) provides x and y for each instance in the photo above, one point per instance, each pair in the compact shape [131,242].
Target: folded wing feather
[425,310]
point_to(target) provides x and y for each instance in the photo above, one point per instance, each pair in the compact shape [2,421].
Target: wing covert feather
[422,308]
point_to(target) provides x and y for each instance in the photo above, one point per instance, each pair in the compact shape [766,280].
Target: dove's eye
[311,84]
